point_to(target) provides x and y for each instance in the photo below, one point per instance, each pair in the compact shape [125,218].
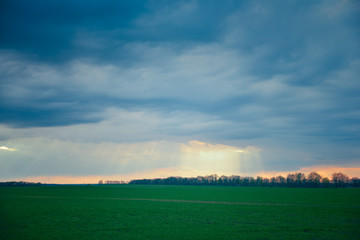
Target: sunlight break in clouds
[7,149]
[56,161]
[220,159]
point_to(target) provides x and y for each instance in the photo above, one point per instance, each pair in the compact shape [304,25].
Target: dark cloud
[59,31]
[47,30]
[207,70]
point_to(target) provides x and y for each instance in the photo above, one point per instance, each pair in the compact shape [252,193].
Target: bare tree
[314,179]
[291,179]
[339,179]
[300,179]
[280,180]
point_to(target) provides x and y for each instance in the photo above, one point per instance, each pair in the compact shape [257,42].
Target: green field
[178,212]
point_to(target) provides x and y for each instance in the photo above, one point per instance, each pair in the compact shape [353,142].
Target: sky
[118,90]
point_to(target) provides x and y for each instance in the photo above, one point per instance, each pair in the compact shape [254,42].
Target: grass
[105,212]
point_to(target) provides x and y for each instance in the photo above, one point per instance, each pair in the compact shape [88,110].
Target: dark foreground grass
[125,212]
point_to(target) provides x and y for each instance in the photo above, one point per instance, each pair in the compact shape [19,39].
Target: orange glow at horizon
[324,171]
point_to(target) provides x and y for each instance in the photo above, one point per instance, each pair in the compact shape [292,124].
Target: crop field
[178,212]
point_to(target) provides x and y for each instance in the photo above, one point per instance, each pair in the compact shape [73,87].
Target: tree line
[313,179]
[19,183]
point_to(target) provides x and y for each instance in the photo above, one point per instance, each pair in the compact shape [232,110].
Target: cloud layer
[280,76]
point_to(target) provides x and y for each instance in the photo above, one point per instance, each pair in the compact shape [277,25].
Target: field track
[186,201]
